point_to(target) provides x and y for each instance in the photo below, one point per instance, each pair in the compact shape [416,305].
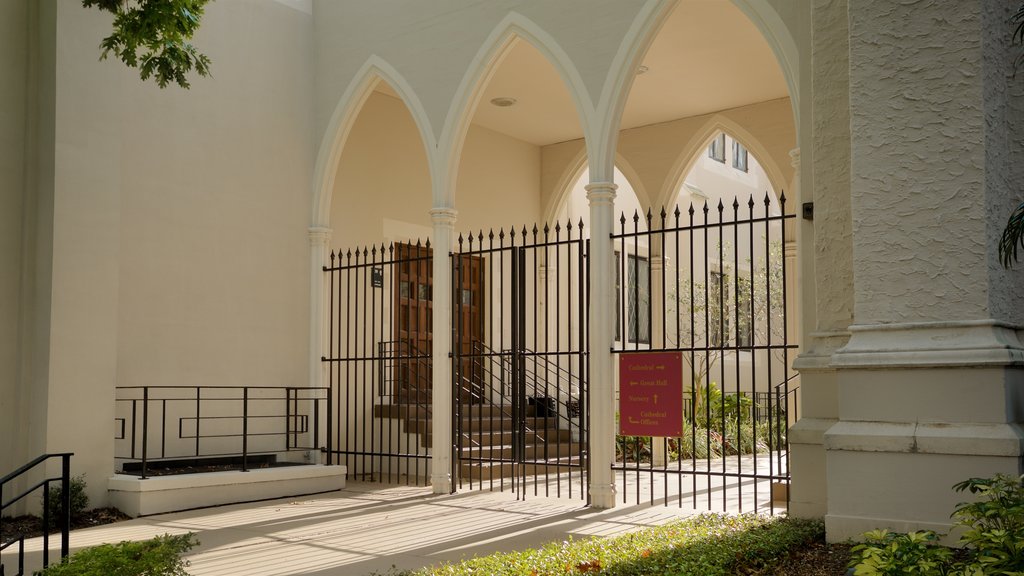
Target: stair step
[557,449]
[480,471]
[413,410]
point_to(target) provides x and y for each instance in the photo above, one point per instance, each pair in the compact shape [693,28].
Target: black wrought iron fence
[172,428]
[378,360]
[709,284]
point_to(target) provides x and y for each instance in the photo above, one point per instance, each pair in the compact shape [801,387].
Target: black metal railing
[42,487]
[157,426]
[520,342]
[378,359]
[709,284]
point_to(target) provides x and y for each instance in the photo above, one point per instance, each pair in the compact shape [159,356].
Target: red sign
[651,394]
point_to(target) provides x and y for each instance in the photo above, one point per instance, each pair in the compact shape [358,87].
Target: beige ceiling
[707,57]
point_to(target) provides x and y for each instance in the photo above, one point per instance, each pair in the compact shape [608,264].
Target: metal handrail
[44,484]
[142,398]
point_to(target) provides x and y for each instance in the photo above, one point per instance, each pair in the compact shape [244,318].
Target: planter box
[159,494]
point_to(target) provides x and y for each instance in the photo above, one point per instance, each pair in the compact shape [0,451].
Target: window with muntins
[716,151]
[739,156]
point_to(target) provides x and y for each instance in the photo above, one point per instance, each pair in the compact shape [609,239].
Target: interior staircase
[485,437]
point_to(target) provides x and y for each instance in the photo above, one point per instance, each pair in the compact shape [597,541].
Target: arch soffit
[514,27]
[572,173]
[694,149]
[642,33]
[372,72]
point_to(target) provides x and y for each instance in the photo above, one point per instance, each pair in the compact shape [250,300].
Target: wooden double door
[413,318]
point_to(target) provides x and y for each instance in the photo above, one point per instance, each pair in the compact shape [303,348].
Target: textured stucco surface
[918,161]
[1004,162]
[830,119]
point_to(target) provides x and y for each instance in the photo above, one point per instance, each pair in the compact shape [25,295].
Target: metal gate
[378,360]
[710,284]
[519,361]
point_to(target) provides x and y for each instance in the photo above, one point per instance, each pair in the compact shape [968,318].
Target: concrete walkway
[369,527]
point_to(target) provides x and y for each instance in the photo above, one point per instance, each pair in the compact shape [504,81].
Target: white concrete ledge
[159,494]
[963,439]
[923,344]
[810,430]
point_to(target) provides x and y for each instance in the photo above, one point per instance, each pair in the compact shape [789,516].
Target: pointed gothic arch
[575,170]
[694,149]
[513,28]
[374,71]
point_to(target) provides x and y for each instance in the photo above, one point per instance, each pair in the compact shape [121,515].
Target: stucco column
[825,266]
[602,337]
[657,295]
[441,419]
[930,384]
[319,239]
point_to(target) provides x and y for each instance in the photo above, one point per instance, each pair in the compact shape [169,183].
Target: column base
[602,495]
[441,484]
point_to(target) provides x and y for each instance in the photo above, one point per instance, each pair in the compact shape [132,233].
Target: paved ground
[369,527]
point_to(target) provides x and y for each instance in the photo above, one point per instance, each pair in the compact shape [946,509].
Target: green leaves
[994,537]
[153,36]
[709,545]
[885,553]
[1013,234]
[160,556]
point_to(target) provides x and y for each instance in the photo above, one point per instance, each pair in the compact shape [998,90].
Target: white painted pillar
[602,337]
[441,419]
[657,296]
[319,240]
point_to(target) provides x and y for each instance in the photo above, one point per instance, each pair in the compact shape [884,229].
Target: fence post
[145,430]
[245,429]
[65,519]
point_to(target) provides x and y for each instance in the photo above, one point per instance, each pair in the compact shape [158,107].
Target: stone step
[482,471]
[554,449]
[420,411]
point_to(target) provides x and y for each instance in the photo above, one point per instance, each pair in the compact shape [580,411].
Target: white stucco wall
[920,154]
[830,183]
[179,240]
[14,25]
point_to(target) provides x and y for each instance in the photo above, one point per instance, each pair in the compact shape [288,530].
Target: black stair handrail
[65,511]
[503,361]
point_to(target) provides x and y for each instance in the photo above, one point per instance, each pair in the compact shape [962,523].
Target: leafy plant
[885,553]
[160,556]
[153,36]
[994,537]
[54,500]
[995,524]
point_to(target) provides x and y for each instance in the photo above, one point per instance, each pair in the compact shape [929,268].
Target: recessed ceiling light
[503,101]
[641,69]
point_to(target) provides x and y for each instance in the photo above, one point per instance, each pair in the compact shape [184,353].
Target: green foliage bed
[708,545]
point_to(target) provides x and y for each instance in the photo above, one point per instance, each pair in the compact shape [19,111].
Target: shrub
[994,523]
[887,553]
[79,501]
[708,545]
[160,556]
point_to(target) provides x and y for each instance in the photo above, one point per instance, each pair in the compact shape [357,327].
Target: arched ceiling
[707,57]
